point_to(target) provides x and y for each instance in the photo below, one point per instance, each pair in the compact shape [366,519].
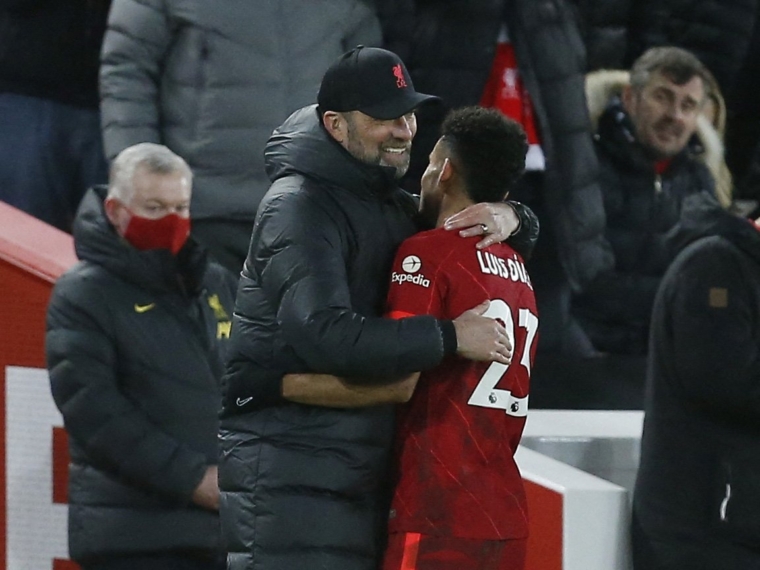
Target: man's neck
[451,206]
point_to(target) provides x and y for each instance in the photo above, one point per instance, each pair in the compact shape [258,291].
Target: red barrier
[545,541]
[32,256]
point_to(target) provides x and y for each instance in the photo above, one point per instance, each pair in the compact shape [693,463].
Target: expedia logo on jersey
[402,278]
[411,265]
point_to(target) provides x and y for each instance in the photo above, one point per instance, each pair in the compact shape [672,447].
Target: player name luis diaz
[490,264]
[511,268]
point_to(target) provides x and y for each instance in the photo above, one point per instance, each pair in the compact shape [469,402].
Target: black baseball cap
[371,80]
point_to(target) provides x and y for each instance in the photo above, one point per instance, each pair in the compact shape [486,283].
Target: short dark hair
[488,148]
[677,64]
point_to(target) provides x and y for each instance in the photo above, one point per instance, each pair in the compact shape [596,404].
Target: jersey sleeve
[418,282]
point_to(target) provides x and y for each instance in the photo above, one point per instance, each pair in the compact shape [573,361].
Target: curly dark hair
[489,150]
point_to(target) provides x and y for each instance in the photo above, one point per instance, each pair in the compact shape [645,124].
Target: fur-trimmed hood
[604,85]
[601,86]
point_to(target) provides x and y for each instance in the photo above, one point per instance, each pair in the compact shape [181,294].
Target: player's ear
[447,170]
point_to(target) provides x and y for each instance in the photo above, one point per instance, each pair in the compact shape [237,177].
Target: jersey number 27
[486,394]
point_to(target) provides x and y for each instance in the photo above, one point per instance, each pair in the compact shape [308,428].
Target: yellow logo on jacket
[224,324]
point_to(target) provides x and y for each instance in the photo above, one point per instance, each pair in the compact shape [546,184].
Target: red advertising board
[32,256]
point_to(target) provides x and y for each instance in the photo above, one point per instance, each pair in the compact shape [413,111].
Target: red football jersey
[456,438]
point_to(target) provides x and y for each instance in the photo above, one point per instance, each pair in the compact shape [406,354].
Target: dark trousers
[50,154]
[168,561]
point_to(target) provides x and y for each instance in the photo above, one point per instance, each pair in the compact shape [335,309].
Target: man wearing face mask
[135,336]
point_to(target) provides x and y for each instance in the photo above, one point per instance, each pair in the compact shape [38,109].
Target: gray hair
[155,158]
[677,64]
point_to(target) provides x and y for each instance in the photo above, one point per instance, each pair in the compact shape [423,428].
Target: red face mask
[169,232]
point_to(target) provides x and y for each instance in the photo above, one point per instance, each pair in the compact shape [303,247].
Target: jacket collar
[96,241]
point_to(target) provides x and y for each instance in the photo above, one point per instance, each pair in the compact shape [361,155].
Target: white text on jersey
[511,268]
[402,278]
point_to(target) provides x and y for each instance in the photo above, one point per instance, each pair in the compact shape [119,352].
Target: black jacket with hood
[134,353]
[303,486]
[697,496]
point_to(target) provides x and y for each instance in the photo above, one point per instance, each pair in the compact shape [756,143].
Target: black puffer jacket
[643,211]
[604,28]
[302,486]
[134,357]
[743,128]
[322,250]
[51,49]
[718,32]
[449,47]
[696,497]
